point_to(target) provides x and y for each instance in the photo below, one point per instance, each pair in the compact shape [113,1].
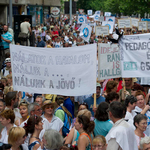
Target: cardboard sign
[142,25]
[124,23]
[109,24]
[101,30]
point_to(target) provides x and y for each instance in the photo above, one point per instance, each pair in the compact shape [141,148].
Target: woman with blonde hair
[99,142]
[23,107]
[16,138]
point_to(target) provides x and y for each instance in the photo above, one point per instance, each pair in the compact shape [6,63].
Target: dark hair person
[34,126]
[102,122]
[85,127]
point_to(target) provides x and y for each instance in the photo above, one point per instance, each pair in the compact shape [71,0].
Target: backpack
[67,120]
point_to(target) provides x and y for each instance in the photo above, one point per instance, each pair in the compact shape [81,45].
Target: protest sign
[134,22]
[101,18]
[145,19]
[81,19]
[135,55]
[70,72]
[89,12]
[148,24]
[101,30]
[107,13]
[81,11]
[85,32]
[111,19]
[98,12]
[96,17]
[108,61]
[124,23]
[109,24]
[142,25]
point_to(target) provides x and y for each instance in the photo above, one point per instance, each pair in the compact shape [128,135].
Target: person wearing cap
[40,42]
[54,122]
[5,70]
[99,99]
[70,43]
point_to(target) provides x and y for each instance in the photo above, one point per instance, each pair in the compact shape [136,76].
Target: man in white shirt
[121,136]
[130,103]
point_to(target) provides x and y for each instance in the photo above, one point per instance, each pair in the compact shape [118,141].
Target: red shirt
[56,35]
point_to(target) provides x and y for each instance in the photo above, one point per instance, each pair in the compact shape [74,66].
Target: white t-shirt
[47,37]
[24,26]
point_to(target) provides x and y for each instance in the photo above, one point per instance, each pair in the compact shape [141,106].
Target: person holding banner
[90,100]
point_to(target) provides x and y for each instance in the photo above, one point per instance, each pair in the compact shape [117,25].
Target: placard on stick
[101,30]
[142,25]
[124,23]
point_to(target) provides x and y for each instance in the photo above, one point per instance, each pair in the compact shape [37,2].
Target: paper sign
[67,71]
[107,13]
[81,19]
[142,25]
[124,23]
[89,12]
[109,24]
[148,24]
[112,19]
[101,18]
[108,61]
[134,22]
[101,30]
[96,17]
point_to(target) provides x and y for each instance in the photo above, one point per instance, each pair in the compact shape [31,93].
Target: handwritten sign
[101,30]
[63,71]
[134,22]
[124,23]
[142,25]
[108,61]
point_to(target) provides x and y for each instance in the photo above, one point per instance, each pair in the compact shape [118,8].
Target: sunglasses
[133,89]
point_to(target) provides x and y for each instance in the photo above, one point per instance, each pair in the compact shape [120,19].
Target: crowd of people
[119,121]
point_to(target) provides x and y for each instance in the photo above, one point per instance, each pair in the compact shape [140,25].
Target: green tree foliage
[125,7]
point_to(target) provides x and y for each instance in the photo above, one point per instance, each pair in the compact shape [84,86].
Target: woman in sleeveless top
[23,107]
[16,138]
[34,126]
[85,127]
[7,120]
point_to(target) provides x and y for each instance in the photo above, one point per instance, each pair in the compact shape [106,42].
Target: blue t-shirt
[41,44]
[6,36]
[90,101]
[102,127]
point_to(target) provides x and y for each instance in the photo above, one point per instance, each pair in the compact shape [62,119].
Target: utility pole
[10,13]
[70,11]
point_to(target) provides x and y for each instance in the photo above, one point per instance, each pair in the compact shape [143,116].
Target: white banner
[90,12]
[85,32]
[134,22]
[67,71]
[96,17]
[109,24]
[124,23]
[101,30]
[107,13]
[81,19]
[142,25]
[108,61]
[111,19]
[135,55]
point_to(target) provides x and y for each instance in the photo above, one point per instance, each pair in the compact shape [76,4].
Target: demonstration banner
[96,17]
[109,61]
[81,19]
[107,14]
[67,71]
[142,25]
[89,12]
[101,30]
[124,23]
[112,19]
[135,55]
[109,24]
[85,32]
[134,22]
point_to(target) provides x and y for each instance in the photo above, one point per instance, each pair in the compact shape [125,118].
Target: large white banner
[67,71]
[135,55]
[108,61]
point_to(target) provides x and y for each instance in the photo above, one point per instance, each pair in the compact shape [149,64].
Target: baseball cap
[98,84]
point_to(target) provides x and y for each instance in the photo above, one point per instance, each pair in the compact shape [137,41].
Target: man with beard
[11,101]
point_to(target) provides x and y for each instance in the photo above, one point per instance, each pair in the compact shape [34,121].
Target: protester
[145,143]
[140,122]
[121,135]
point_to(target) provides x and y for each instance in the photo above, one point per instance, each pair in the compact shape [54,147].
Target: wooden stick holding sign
[123,90]
[94,100]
